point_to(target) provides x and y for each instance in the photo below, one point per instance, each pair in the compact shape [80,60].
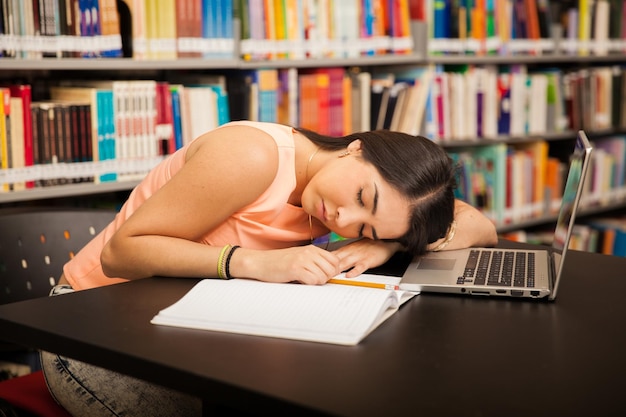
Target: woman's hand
[305,264]
[364,254]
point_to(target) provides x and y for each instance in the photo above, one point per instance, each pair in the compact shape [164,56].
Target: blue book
[209,27]
[368,21]
[267,81]
[176,118]
[441,17]
[227,20]
[106,130]
[504,103]
[223,115]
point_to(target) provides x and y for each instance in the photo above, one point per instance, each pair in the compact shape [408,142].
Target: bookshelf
[234,64]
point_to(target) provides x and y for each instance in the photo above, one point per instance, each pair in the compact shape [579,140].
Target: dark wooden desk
[438,356]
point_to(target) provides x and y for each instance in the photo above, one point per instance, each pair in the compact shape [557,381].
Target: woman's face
[349,196]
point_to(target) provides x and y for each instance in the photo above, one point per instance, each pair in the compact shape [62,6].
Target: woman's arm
[226,169]
[471,228]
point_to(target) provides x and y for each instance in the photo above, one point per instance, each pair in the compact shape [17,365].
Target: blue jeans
[87,390]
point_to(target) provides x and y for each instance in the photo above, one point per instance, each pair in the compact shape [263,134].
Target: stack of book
[578,27]
[60,28]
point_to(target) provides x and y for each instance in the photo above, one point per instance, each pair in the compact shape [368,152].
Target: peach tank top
[268,223]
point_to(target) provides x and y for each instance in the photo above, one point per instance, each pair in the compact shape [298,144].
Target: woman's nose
[344,217]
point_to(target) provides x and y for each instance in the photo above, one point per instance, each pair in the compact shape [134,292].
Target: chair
[34,246]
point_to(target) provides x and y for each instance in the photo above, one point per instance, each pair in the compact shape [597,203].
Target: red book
[188,27]
[309,111]
[24,92]
[164,119]
[417,10]
[323,102]
[332,92]
[532,20]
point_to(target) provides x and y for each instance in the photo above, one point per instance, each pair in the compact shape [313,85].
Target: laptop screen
[571,196]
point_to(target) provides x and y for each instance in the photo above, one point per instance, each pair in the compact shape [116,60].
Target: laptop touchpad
[437,264]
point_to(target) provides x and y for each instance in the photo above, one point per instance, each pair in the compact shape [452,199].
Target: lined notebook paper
[331,313]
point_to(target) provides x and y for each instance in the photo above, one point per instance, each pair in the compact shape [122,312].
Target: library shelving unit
[60,67]
[101,69]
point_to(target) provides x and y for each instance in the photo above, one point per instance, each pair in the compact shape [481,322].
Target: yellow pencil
[363,284]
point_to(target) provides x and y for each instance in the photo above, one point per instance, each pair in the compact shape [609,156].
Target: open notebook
[331,313]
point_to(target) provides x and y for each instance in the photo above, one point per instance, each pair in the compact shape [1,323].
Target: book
[330,313]
[361,99]
[335,99]
[164,119]
[5,132]
[17,138]
[110,29]
[287,99]
[177,125]
[188,28]
[309,108]
[267,80]
[616,227]
[90,96]
[379,99]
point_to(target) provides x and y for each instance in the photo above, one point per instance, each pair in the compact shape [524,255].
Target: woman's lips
[322,212]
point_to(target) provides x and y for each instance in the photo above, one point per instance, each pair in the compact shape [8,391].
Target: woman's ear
[354,146]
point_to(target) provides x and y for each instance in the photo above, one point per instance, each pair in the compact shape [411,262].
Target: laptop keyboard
[500,268]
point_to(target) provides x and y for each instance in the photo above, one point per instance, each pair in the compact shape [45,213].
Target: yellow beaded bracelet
[221,262]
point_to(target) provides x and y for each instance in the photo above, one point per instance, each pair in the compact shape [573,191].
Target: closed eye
[359,198]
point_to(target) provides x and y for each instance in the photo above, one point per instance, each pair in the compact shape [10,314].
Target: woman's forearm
[144,256]
[471,228]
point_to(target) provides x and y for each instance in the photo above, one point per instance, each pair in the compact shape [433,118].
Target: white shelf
[68,190]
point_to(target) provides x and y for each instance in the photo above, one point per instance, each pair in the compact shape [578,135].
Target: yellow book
[280,24]
[295,28]
[270,22]
[17,138]
[152,29]
[347,105]
[538,152]
[166,29]
[584,26]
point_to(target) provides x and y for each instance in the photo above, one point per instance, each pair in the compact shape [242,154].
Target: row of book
[295,29]
[606,235]
[488,101]
[60,28]
[117,130]
[307,28]
[338,101]
[580,27]
[170,29]
[514,183]
[101,130]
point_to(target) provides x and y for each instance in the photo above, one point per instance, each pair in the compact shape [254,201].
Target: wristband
[227,268]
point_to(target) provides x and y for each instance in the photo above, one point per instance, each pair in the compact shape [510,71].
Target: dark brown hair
[418,168]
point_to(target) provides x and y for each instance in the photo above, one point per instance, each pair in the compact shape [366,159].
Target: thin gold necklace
[306,177]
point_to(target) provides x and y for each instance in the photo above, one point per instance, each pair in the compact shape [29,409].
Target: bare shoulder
[243,147]
[225,170]
[237,162]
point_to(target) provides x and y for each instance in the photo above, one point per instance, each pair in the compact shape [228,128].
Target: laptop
[506,272]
